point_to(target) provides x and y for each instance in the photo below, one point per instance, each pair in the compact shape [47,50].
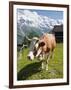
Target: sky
[49,13]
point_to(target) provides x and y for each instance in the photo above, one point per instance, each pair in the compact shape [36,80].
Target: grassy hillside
[29,70]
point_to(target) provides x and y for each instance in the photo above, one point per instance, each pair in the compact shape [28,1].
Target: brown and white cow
[42,49]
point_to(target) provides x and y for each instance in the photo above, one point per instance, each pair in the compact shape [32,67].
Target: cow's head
[35,48]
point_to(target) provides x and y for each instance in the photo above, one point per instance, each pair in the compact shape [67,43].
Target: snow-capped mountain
[29,21]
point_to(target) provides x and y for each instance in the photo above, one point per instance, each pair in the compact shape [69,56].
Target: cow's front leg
[48,58]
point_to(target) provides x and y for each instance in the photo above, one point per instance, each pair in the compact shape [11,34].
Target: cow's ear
[41,44]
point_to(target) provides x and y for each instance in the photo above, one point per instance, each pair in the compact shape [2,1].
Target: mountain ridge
[30,21]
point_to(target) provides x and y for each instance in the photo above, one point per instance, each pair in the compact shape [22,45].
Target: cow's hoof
[46,69]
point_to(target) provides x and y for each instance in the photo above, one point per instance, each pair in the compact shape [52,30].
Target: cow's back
[50,42]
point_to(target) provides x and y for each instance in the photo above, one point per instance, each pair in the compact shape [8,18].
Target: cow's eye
[41,44]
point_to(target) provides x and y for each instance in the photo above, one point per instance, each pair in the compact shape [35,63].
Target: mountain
[30,21]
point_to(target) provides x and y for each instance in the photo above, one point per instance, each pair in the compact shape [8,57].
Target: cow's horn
[35,38]
[28,38]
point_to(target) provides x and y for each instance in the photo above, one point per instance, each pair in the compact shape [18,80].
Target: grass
[30,70]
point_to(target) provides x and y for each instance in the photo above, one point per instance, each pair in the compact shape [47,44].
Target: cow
[42,48]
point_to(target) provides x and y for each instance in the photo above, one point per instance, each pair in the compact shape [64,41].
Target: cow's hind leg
[43,65]
[46,66]
[52,54]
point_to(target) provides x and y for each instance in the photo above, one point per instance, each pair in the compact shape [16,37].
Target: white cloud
[36,20]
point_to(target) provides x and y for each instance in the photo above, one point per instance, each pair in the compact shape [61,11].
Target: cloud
[36,20]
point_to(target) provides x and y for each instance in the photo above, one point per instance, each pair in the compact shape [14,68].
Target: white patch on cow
[36,45]
[31,55]
[38,52]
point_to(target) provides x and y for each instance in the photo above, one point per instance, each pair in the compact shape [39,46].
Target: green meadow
[30,70]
